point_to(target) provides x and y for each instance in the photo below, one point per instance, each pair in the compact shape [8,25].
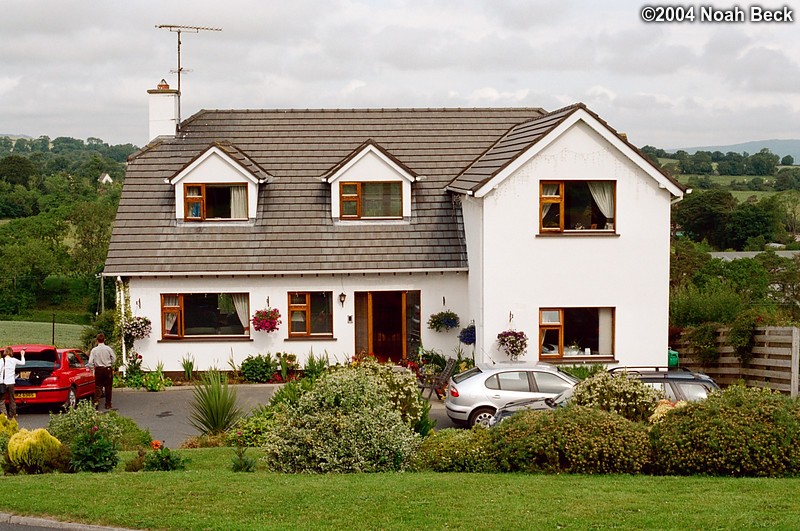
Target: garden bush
[215,408]
[253,428]
[457,450]
[34,452]
[737,432]
[574,439]
[345,423]
[92,452]
[121,431]
[8,427]
[400,387]
[260,368]
[616,393]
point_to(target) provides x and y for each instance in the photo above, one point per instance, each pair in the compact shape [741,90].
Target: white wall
[145,296]
[523,272]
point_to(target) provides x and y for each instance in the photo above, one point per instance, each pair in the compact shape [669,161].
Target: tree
[753,220]
[762,163]
[92,232]
[15,169]
[789,202]
[704,215]
[41,144]
[788,160]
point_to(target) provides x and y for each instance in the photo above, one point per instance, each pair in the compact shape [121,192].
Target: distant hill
[14,137]
[779,147]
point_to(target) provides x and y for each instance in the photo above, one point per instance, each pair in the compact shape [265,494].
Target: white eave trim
[363,153]
[214,150]
[600,129]
[285,273]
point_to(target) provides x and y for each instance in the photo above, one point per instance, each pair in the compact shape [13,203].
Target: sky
[82,68]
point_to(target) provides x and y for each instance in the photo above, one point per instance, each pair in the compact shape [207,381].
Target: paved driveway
[166,413]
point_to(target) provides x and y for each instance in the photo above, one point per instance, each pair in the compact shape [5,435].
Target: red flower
[156,445]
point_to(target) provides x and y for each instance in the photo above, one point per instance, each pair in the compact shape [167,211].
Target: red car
[52,376]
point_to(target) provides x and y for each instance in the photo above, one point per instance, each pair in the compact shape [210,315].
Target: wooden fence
[775,362]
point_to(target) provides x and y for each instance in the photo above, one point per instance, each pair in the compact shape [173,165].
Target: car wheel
[481,416]
[72,399]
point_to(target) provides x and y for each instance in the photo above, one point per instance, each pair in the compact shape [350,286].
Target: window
[376,200]
[205,314]
[509,381]
[205,202]
[571,331]
[311,314]
[577,205]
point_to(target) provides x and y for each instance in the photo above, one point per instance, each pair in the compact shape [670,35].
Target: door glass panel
[412,322]
[550,383]
[514,381]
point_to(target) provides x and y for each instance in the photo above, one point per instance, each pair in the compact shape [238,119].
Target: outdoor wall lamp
[342,298]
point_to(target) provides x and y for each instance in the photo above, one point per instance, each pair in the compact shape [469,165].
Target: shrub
[8,427]
[253,428]
[574,439]
[581,372]
[445,320]
[716,302]
[187,363]
[424,426]
[315,367]
[34,452]
[345,423]
[215,408]
[92,452]
[259,369]
[162,459]
[616,393]
[291,392]
[457,450]
[703,339]
[242,462]
[69,425]
[737,432]
[205,441]
[399,387]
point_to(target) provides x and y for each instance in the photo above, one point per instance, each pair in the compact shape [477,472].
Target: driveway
[166,413]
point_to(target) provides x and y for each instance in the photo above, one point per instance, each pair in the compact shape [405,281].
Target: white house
[358,225]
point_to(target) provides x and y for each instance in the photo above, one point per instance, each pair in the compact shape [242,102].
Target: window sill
[575,233]
[204,339]
[582,360]
[311,338]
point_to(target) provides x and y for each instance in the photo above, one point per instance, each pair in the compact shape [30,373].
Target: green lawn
[209,496]
[16,332]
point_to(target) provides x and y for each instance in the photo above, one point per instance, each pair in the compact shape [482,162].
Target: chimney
[163,110]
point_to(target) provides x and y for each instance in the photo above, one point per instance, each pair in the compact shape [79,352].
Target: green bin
[672,357]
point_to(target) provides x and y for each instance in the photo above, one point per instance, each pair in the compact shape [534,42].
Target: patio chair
[437,382]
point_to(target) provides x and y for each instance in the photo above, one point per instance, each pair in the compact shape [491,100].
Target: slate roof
[518,139]
[293,231]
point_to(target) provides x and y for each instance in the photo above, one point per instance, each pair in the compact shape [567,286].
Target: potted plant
[445,320]
[266,320]
[514,342]
[137,328]
[467,335]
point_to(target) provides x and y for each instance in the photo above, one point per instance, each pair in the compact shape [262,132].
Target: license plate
[25,395]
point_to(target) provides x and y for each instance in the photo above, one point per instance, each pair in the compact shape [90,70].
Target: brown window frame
[358,199]
[307,310]
[201,199]
[559,327]
[180,313]
[559,201]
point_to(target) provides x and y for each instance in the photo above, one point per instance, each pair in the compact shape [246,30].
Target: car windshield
[561,399]
[694,391]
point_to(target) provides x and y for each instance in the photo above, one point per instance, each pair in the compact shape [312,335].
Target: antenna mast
[178,29]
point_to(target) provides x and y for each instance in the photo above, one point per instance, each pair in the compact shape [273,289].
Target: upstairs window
[371,200]
[567,206]
[310,314]
[215,202]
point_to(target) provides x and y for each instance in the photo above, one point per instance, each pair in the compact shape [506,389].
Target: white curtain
[239,202]
[548,190]
[170,301]
[603,194]
[242,304]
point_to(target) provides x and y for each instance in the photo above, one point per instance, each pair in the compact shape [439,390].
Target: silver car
[474,395]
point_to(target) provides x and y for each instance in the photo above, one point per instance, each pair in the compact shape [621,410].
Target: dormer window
[371,200]
[219,185]
[215,202]
[371,185]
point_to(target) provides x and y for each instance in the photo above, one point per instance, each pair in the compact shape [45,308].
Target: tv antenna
[179,29]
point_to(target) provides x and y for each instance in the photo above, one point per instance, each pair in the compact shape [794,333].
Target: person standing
[9,377]
[101,361]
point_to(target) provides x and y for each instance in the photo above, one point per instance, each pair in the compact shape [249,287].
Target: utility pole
[179,29]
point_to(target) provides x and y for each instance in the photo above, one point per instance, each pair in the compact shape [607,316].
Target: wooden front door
[387,324]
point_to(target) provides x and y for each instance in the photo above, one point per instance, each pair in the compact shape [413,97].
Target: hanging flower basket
[266,320]
[446,320]
[513,342]
[137,328]
[467,335]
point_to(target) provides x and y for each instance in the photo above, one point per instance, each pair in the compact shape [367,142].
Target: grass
[16,332]
[207,495]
